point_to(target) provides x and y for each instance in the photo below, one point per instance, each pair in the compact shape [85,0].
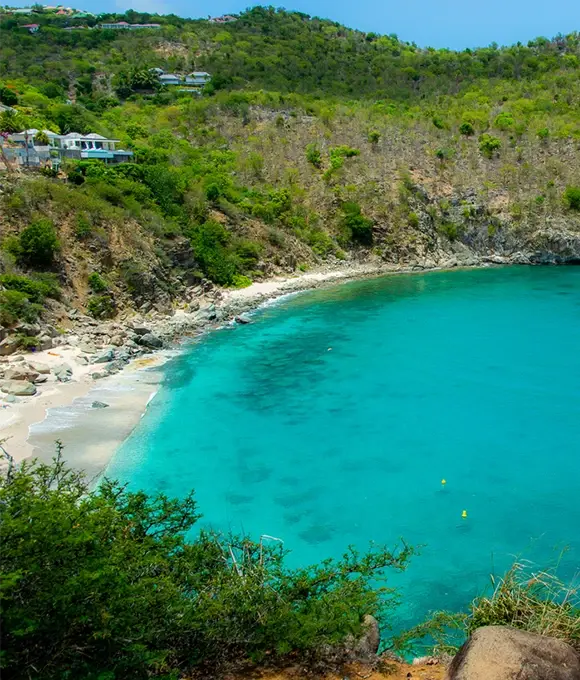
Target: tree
[39,243]
[105,584]
[572,198]
[488,145]
[7,96]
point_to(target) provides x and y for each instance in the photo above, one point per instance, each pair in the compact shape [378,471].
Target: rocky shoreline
[91,351]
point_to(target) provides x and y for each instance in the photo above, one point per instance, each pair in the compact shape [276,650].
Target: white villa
[71,145]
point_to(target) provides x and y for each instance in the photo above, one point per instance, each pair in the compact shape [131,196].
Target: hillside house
[32,28]
[196,79]
[199,78]
[224,19]
[72,145]
[124,26]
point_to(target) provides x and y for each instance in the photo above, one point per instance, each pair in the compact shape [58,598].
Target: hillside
[312,144]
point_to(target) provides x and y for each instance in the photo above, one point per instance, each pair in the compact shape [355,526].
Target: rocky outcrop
[503,653]
[19,388]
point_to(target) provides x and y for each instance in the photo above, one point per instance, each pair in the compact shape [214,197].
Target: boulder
[97,375]
[243,319]
[99,404]
[365,648]
[22,372]
[117,340]
[44,342]
[9,345]
[104,357]
[150,340]
[39,367]
[40,379]
[504,653]
[141,330]
[19,388]
[87,347]
[62,372]
[29,329]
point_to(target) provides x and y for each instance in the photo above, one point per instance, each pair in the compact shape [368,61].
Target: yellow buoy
[443,482]
[464,514]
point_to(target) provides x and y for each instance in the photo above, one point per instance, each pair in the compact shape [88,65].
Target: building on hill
[124,26]
[200,78]
[20,10]
[195,79]
[29,151]
[32,28]
[224,19]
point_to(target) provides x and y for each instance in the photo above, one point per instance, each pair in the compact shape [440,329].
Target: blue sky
[437,23]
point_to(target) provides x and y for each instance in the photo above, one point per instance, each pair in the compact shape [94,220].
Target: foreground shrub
[535,601]
[35,289]
[104,584]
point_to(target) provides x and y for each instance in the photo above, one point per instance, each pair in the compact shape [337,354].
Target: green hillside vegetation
[312,143]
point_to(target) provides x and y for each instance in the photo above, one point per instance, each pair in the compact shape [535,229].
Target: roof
[29,25]
[173,76]
[199,74]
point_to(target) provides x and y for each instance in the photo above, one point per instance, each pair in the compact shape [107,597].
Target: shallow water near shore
[334,417]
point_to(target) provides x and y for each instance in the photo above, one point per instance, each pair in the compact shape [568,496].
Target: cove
[332,419]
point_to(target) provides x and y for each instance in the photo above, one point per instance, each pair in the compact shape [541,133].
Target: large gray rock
[22,372]
[365,648]
[504,653]
[141,330]
[104,357]
[9,345]
[150,340]
[39,367]
[62,372]
[19,388]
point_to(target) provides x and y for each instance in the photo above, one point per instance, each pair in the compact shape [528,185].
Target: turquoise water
[333,418]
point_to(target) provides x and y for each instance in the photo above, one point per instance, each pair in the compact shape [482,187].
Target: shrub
[83,227]
[121,576]
[35,289]
[39,243]
[96,283]
[450,230]
[488,145]
[101,306]
[466,129]
[15,306]
[572,197]
[543,133]
[504,121]
[438,122]
[313,155]
[413,220]
[210,243]
[374,137]
[241,281]
[360,227]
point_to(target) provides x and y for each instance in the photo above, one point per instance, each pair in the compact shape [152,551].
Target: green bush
[210,242]
[35,289]
[488,145]
[572,198]
[15,306]
[96,283]
[107,583]
[313,155]
[101,306]
[38,243]
[543,133]
[360,227]
[413,220]
[374,137]
[467,129]
[450,230]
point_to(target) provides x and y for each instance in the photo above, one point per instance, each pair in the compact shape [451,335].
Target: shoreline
[30,426]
